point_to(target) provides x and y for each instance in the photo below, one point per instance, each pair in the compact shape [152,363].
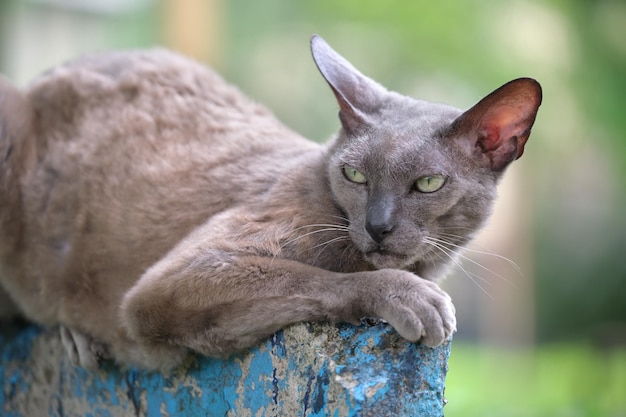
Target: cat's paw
[418,309]
[82,349]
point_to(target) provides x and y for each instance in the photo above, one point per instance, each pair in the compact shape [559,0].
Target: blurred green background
[543,334]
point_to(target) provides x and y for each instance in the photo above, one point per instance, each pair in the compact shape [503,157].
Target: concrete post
[307,370]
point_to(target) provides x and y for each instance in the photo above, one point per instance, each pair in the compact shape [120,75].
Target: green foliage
[553,381]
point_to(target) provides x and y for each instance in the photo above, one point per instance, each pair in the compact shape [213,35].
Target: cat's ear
[356,94]
[496,129]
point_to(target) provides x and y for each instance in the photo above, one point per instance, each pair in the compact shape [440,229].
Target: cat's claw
[82,349]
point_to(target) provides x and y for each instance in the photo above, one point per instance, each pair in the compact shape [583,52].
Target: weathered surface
[305,370]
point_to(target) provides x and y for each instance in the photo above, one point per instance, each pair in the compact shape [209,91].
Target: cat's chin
[387,260]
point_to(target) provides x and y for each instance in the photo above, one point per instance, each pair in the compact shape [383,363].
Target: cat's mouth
[384,258]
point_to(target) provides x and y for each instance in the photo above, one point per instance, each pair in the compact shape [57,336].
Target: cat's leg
[82,349]
[217,302]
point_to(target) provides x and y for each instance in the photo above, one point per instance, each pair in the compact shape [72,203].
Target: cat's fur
[149,208]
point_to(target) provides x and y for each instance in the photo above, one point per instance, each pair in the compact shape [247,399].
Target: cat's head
[417,179]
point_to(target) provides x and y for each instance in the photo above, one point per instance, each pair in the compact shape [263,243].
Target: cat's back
[146,129]
[131,151]
[154,94]
[137,128]
[123,121]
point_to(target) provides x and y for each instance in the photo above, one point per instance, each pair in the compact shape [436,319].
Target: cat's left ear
[496,129]
[356,94]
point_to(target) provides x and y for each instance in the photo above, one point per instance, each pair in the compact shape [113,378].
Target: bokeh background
[541,297]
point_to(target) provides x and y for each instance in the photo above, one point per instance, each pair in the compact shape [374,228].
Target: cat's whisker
[330,225]
[497,256]
[460,254]
[342,218]
[430,258]
[343,256]
[483,251]
[336,239]
[446,251]
[476,279]
[436,253]
[326,245]
[455,228]
[457,258]
[325,229]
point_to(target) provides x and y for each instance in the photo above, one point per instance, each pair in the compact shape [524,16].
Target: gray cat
[150,209]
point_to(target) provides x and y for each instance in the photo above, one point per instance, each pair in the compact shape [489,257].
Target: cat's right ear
[496,129]
[356,94]
[15,117]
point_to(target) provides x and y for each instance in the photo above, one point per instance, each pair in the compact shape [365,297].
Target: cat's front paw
[418,309]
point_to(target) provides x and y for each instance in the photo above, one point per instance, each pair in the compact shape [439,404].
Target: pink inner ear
[503,132]
[498,125]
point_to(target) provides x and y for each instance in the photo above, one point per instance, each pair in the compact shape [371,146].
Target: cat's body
[150,208]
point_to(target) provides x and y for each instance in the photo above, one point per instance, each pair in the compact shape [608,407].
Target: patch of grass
[556,381]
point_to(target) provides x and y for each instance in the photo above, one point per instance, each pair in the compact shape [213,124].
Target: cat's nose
[381,218]
[379,231]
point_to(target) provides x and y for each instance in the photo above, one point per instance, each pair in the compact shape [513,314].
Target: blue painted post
[309,370]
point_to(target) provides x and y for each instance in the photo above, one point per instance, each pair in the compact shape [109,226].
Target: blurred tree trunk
[509,318]
[194,28]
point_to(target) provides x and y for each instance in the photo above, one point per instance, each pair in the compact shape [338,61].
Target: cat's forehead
[404,135]
[402,154]
[410,116]
[412,129]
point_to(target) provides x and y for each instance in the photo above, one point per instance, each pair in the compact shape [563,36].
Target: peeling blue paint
[309,370]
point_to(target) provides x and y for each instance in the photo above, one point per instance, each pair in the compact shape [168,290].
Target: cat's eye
[353,174]
[430,183]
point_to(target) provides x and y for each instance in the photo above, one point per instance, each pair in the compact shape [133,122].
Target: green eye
[430,183]
[352,174]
